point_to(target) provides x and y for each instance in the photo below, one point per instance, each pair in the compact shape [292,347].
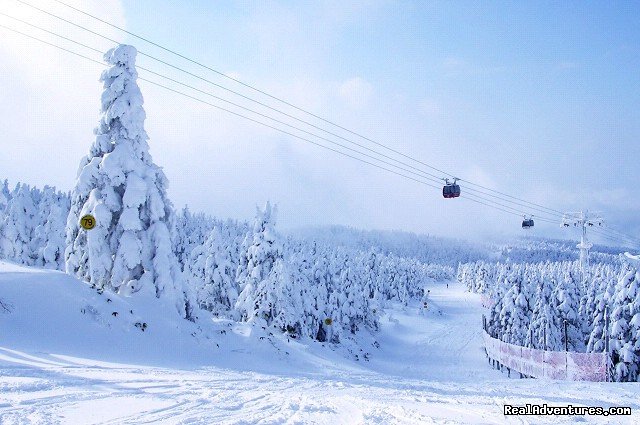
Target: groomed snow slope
[65,358]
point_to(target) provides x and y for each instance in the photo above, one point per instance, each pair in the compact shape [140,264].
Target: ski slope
[60,365]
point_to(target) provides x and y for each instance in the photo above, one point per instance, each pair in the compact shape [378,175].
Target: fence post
[606,342]
[544,342]
[566,352]
[566,340]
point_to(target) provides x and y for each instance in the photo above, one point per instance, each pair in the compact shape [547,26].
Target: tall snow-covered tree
[263,251]
[17,228]
[212,273]
[516,325]
[601,309]
[541,316]
[565,301]
[625,326]
[5,195]
[515,315]
[190,232]
[130,248]
[51,229]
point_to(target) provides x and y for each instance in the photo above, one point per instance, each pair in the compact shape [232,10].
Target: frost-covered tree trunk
[130,248]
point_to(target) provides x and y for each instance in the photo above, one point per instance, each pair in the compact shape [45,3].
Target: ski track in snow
[430,368]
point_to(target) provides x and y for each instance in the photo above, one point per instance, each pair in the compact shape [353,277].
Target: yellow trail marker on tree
[88,222]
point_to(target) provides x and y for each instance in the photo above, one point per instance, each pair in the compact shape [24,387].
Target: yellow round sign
[88,222]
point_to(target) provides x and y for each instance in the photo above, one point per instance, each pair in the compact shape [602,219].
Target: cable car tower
[582,220]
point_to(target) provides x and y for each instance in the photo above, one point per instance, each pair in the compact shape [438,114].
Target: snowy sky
[536,99]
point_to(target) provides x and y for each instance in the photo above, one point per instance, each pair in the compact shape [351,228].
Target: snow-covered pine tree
[598,334]
[565,301]
[515,314]
[290,282]
[51,230]
[312,292]
[16,239]
[624,324]
[181,242]
[482,278]
[5,195]
[370,266]
[541,315]
[320,285]
[256,265]
[634,307]
[356,309]
[130,248]
[494,326]
[212,273]
[603,300]
[45,202]
[191,231]
[593,288]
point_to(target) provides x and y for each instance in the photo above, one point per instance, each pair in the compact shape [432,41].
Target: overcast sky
[540,100]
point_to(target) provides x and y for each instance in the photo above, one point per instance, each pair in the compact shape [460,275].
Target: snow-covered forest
[328,289]
[532,301]
[241,271]
[201,265]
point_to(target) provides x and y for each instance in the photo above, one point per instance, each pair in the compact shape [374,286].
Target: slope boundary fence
[561,365]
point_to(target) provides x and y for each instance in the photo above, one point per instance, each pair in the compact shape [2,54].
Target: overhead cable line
[142,53]
[275,98]
[513,197]
[102,64]
[471,197]
[271,96]
[620,234]
[619,239]
[219,107]
[222,74]
[418,171]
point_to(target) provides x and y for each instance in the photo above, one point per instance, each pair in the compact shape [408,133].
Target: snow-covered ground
[66,358]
